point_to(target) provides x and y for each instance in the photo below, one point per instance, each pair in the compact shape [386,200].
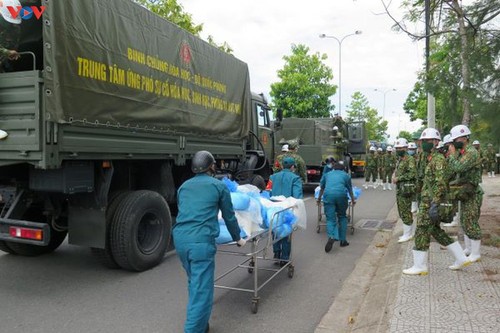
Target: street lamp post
[385,93]
[357,32]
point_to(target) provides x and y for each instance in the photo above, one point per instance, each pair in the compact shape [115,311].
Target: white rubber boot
[365,185]
[389,186]
[374,184]
[489,174]
[467,250]
[461,260]
[493,174]
[475,249]
[414,206]
[385,186]
[407,229]
[419,264]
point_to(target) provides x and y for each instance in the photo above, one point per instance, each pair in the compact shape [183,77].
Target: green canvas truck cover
[113,63]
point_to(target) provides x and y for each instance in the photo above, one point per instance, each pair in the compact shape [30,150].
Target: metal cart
[350,217]
[255,257]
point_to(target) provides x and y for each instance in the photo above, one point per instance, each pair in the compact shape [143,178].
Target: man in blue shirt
[335,185]
[288,184]
[199,200]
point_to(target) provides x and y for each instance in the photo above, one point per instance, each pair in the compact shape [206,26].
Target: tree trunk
[465,63]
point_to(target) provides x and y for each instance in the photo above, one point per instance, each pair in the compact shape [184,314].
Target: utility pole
[431,102]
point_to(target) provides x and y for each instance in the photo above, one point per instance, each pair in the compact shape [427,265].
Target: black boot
[329,245]
[344,243]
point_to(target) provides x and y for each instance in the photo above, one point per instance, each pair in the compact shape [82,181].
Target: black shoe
[344,243]
[208,328]
[329,245]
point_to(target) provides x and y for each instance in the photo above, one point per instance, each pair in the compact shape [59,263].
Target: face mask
[458,144]
[411,152]
[372,152]
[427,146]
[329,165]
[400,153]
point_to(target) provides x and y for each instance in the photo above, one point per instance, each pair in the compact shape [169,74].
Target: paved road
[68,291]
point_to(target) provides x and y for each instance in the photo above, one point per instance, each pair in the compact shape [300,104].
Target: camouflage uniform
[434,187]
[389,164]
[421,159]
[466,165]
[490,159]
[380,165]
[9,39]
[406,173]
[370,167]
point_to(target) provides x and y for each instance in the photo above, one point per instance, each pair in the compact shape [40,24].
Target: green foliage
[360,110]
[445,77]
[172,11]
[304,90]
[405,134]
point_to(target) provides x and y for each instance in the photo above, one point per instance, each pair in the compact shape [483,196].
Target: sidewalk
[377,297]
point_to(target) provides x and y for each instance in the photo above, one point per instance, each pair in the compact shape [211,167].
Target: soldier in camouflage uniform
[477,145]
[433,193]
[490,158]
[389,164]
[9,33]
[299,161]
[370,167]
[465,163]
[404,178]
[447,142]
[380,165]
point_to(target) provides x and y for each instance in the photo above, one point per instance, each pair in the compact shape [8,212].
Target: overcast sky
[261,32]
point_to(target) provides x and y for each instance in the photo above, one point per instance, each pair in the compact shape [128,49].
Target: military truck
[318,140]
[101,118]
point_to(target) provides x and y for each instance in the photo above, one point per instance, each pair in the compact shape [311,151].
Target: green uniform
[9,38]
[421,159]
[406,174]
[389,164]
[466,167]
[380,165]
[490,159]
[434,187]
[370,167]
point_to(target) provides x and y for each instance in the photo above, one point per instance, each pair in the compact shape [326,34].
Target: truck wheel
[5,248]
[105,256]
[140,230]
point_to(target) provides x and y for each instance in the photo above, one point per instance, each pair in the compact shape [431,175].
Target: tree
[359,110]
[405,134]
[451,21]
[174,12]
[304,90]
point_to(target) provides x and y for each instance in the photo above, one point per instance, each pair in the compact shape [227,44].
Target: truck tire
[140,230]
[105,256]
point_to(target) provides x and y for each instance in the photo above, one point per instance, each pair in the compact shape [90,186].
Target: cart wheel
[255,306]
[250,270]
[291,270]
[318,229]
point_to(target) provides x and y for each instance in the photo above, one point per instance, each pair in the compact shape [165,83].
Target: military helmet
[412,145]
[447,139]
[389,148]
[293,145]
[430,133]
[372,148]
[335,128]
[476,142]
[284,148]
[440,145]
[5,13]
[401,143]
[459,131]
[202,161]
[380,149]
[490,145]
